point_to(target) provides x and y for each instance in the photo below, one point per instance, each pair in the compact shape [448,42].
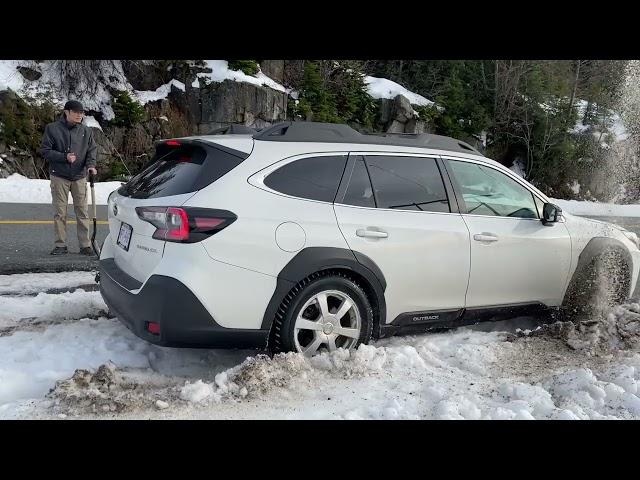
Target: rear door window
[313,178]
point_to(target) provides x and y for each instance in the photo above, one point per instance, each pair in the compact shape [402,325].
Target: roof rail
[340,133]
[233,129]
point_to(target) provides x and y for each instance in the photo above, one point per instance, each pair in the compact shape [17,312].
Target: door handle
[485,237]
[363,232]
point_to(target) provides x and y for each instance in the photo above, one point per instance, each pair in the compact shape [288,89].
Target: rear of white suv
[153,262]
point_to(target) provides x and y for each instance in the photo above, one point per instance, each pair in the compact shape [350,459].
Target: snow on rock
[10,77]
[160,92]
[384,88]
[221,72]
[19,189]
[29,283]
[89,121]
[48,87]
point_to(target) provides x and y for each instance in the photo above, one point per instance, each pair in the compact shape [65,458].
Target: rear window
[181,169]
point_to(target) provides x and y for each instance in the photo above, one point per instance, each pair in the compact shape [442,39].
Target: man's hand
[71,157]
[92,171]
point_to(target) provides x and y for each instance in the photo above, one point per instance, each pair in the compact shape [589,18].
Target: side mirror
[550,213]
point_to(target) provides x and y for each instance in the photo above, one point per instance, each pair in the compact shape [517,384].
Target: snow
[384,88]
[46,306]
[518,168]
[89,121]
[597,208]
[196,392]
[19,189]
[97,96]
[465,373]
[575,187]
[9,76]
[160,93]
[28,283]
[220,72]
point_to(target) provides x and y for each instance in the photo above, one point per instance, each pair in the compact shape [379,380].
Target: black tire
[604,282]
[282,334]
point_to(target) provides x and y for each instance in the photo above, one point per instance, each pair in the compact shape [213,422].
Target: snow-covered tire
[303,317]
[602,283]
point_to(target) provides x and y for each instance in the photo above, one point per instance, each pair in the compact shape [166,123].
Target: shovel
[93,214]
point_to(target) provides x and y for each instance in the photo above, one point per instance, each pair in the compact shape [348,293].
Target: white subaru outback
[309,236]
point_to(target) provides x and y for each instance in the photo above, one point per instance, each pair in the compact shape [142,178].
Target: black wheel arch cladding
[595,247]
[315,259]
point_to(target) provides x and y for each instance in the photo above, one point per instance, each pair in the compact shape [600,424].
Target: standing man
[70,149]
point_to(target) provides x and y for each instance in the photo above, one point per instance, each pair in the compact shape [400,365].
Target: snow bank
[28,283]
[19,189]
[384,88]
[31,362]
[47,307]
[597,209]
[220,72]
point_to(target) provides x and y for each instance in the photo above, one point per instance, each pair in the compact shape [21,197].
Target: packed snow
[384,88]
[19,189]
[220,72]
[28,283]
[63,357]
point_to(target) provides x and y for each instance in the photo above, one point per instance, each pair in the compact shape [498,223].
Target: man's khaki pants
[60,188]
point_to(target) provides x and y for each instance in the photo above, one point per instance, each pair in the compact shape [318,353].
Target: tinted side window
[315,178]
[407,183]
[486,191]
[359,191]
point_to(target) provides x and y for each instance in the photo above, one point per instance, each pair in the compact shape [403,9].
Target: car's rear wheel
[323,313]
[604,282]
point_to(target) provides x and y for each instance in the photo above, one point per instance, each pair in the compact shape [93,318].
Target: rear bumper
[183,320]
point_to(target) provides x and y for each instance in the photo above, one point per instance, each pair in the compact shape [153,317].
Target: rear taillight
[186,225]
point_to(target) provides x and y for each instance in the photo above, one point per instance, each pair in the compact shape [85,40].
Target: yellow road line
[43,222]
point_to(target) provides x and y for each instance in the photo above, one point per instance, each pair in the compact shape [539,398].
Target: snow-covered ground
[61,356]
[19,189]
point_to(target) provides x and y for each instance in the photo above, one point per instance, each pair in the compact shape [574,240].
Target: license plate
[124,237]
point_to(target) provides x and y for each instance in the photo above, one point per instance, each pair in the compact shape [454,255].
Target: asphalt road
[26,238]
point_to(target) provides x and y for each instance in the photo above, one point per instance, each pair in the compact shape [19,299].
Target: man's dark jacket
[60,138]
